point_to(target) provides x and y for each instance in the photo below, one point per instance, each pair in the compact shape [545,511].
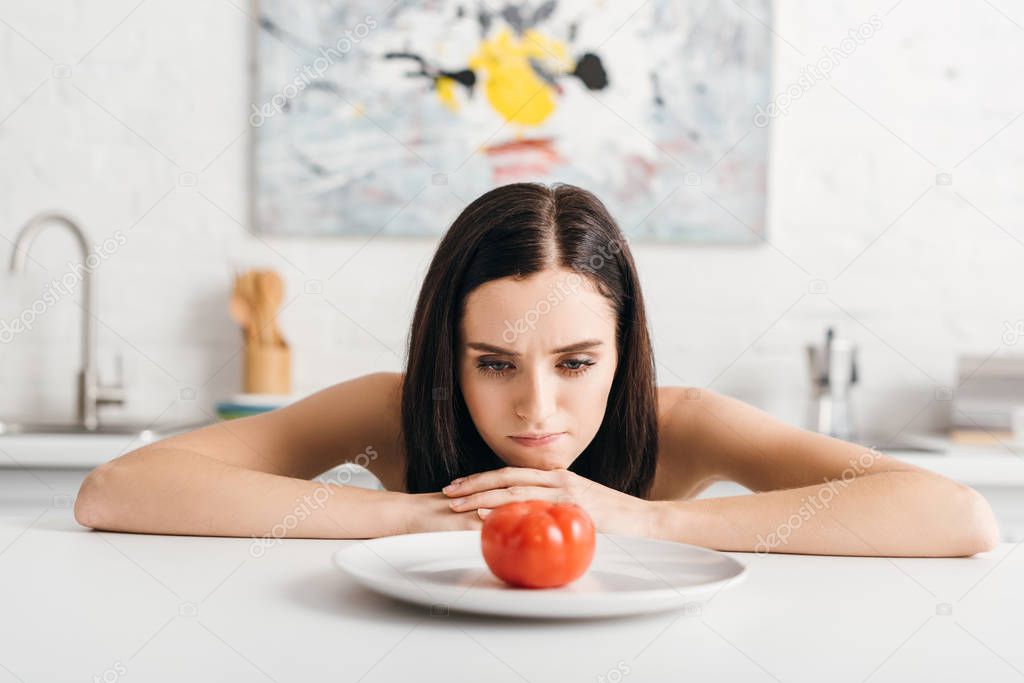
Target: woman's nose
[537,401]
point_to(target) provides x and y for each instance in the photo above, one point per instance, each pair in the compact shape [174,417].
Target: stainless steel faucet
[91,392]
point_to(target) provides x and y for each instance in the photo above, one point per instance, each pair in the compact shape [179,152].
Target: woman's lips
[536,442]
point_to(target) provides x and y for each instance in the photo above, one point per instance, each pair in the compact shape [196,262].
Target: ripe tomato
[537,544]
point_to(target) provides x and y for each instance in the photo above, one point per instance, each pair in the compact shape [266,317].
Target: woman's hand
[612,511]
[430,512]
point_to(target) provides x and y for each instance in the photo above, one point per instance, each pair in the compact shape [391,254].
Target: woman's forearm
[895,514]
[176,491]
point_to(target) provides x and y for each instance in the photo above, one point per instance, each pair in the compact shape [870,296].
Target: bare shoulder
[383,406]
[684,468]
[389,465]
[358,421]
[310,436]
[713,437]
[690,412]
[706,424]
[678,409]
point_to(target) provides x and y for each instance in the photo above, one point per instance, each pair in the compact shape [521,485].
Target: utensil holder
[267,370]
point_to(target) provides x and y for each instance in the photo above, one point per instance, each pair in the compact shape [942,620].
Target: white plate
[629,575]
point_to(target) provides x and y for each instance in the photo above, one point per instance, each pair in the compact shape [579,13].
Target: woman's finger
[501,478]
[496,497]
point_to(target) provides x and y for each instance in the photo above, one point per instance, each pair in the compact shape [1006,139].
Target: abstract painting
[376,118]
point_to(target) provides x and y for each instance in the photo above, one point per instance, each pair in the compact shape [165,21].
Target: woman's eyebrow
[577,346]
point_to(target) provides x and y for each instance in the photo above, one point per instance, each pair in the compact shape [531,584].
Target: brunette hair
[517,230]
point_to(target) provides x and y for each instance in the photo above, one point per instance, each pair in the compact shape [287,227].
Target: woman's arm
[812,493]
[164,490]
[251,476]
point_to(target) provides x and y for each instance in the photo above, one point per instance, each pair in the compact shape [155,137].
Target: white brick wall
[164,93]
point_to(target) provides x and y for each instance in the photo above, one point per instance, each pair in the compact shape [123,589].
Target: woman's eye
[571,366]
[493,367]
[577,366]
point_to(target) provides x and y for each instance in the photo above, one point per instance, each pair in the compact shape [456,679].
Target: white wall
[159,89]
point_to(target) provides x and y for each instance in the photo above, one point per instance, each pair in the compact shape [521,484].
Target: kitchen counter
[84,605]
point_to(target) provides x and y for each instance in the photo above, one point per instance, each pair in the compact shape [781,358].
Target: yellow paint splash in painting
[446,91]
[513,87]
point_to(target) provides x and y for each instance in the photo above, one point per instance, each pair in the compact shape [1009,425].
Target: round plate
[629,575]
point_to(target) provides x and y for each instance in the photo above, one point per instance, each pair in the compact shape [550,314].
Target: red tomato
[537,544]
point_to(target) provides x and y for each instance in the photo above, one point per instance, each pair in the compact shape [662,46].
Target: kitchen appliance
[833,371]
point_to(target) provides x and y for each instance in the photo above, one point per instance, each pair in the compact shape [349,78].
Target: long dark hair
[517,230]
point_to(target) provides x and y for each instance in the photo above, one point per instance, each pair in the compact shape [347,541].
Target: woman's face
[537,357]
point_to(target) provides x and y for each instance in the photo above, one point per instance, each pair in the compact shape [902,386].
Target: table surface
[82,605]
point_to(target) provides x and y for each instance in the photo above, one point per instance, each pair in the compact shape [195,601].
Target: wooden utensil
[260,306]
[252,298]
[266,358]
[268,298]
[273,292]
[241,308]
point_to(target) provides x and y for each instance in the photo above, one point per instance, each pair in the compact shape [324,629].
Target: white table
[79,605]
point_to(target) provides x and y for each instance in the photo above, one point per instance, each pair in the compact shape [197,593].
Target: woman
[530,375]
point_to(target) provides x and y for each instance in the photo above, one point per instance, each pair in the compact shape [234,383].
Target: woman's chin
[537,461]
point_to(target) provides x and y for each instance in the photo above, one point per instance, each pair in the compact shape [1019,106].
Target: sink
[145,431]
[908,443]
[908,448]
[70,445]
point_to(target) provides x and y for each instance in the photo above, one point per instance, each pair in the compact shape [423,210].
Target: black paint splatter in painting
[464,77]
[590,70]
